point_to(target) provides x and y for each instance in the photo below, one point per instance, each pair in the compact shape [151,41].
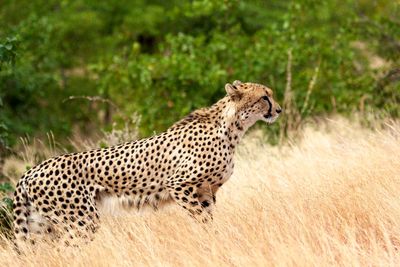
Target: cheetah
[186,164]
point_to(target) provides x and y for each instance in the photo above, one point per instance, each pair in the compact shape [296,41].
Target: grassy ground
[331,198]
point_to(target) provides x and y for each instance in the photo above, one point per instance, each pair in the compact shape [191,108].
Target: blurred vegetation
[162,59]
[6,217]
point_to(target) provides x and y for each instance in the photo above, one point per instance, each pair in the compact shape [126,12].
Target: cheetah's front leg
[187,197]
[207,198]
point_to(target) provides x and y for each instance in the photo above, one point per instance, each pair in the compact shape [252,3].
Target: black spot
[205,204]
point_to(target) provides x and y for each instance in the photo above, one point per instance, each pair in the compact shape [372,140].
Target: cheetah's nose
[279,110]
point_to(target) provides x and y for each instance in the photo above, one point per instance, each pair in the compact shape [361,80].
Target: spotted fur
[186,164]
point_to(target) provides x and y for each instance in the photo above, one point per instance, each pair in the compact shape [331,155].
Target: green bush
[162,59]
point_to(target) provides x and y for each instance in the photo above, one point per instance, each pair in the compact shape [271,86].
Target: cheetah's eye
[265,98]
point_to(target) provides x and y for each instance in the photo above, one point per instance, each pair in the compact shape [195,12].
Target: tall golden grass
[330,198]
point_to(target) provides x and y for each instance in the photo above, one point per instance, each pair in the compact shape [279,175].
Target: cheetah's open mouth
[268,116]
[269,119]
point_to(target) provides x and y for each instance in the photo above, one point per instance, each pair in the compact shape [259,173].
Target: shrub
[162,59]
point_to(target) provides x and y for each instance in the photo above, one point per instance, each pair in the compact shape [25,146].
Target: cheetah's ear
[237,83]
[233,91]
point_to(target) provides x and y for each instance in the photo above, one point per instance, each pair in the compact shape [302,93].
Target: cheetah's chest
[228,172]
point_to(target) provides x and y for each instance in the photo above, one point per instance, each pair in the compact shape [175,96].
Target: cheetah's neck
[232,126]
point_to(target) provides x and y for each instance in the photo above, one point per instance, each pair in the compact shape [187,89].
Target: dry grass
[330,199]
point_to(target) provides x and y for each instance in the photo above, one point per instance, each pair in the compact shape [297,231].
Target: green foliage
[8,50]
[162,59]
[6,188]
[7,57]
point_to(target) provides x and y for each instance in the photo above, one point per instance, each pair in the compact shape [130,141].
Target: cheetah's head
[253,102]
